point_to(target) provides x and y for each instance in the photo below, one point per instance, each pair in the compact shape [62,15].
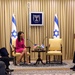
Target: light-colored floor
[49,70]
[50,67]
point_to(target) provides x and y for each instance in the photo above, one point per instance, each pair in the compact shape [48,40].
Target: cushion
[55,44]
[18,54]
[54,53]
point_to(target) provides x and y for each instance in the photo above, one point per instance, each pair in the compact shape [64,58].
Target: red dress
[20,46]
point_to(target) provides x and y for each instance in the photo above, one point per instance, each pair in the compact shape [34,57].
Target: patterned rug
[42,65]
[44,72]
[48,69]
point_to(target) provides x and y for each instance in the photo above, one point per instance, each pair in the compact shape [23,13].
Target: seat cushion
[18,54]
[54,53]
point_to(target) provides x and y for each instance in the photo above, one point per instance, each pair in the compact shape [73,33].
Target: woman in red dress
[20,46]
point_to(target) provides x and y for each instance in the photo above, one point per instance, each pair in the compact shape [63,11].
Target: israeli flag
[42,46]
[56,28]
[14,30]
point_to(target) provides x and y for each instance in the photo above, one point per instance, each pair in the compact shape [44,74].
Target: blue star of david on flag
[56,33]
[56,27]
[42,46]
[14,34]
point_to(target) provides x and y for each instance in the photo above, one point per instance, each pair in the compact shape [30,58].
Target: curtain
[63,8]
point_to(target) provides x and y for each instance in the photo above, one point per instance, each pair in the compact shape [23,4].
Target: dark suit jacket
[74,58]
[3,52]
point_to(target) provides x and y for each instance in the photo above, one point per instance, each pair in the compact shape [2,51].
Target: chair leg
[29,60]
[14,61]
[61,59]
[54,58]
[24,58]
[49,59]
[46,59]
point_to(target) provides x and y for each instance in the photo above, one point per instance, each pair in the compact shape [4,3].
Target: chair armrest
[14,48]
[46,49]
[28,47]
[61,47]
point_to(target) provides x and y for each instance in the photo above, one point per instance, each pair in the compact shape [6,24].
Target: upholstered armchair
[15,54]
[54,49]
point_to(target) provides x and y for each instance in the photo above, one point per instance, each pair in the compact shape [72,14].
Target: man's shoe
[9,70]
[73,67]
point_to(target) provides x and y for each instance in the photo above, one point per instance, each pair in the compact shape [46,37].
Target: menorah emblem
[36,18]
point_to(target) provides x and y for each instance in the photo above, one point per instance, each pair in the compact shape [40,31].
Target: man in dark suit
[4,56]
[73,68]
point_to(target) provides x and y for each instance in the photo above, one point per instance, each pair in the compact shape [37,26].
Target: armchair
[15,54]
[54,49]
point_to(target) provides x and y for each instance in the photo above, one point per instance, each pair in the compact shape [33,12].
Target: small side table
[39,56]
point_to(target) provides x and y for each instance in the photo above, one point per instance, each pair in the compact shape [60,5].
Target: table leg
[39,59]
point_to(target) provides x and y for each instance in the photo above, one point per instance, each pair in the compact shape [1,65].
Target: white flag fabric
[56,28]
[14,30]
[42,46]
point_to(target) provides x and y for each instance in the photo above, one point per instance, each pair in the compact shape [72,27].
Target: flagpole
[28,6]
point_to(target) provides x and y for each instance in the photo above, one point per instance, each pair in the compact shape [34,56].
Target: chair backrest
[55,44]
[13,43]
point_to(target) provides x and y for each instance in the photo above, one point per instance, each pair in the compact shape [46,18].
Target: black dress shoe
[9,70]
[73,67]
